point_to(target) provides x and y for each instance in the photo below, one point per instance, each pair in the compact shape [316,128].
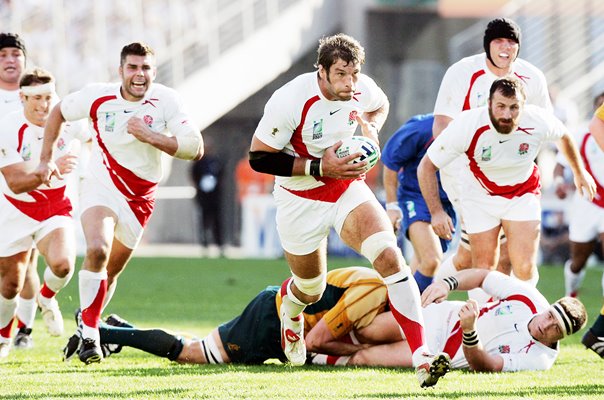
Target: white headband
[38,89]
[563,319]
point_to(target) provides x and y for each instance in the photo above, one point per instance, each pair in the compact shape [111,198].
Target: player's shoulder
[471,63]
[523,67]
[95,90]
[10,123]
[538,114]
[157,89]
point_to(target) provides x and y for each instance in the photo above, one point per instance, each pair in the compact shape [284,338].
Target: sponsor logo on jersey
[352,117]
[109,121]
[504,349]
[523,148]
[148,120]
[486,154]
[317,129]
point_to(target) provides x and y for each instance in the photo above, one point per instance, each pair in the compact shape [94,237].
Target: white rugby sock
[93,287]
[26,311]
[210,350]
[572,281]
[54,282]
[404,297]
[289,302]
[7,315]
[109,295]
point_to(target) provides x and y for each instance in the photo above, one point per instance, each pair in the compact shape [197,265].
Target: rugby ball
[360,144]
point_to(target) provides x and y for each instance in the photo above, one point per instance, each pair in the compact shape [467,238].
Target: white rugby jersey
[467,83]
[502,326]
[593,158]
[302,122]
[21,141]
[9,102]
[499,164]
[119,160]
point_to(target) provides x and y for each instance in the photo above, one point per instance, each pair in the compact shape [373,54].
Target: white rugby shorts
[302,224]
[482,212]
[94,194]
[20,232]
[585,220]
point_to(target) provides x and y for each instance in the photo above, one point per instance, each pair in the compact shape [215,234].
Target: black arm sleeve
[279,164]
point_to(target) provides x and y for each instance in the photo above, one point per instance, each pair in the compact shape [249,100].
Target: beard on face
[510,124]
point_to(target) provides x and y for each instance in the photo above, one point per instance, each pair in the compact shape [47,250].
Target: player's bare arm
[428,183]
[478,359]
[372,122]
[440,123]
[463,280]
[268,160]
[47,168]
[321,340]
[20,178]
[584,182]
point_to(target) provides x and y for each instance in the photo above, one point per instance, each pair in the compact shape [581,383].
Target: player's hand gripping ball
[360,144]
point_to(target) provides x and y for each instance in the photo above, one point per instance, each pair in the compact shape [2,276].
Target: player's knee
[62,268]
[312,288]
[10,287]
[381,244]
[97,253]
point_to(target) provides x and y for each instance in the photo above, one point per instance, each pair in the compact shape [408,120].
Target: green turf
[194,295]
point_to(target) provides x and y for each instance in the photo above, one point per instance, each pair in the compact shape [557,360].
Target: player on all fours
[134,122]
[302,126]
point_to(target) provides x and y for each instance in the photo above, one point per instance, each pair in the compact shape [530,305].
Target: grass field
[194,295]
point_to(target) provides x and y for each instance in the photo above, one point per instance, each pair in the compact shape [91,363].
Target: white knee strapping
[375,244]
[311,287]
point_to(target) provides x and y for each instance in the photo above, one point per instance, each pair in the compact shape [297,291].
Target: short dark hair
[340,46]
[36,76]
[575,311]
[508,86]
[135,49]
[8,39]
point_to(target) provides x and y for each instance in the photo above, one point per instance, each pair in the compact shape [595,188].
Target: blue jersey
[405,149]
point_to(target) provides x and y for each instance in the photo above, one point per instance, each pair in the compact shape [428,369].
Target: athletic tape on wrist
[470,339]
[452,282]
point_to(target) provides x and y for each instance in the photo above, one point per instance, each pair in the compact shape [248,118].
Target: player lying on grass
[518,330]
[352,300]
